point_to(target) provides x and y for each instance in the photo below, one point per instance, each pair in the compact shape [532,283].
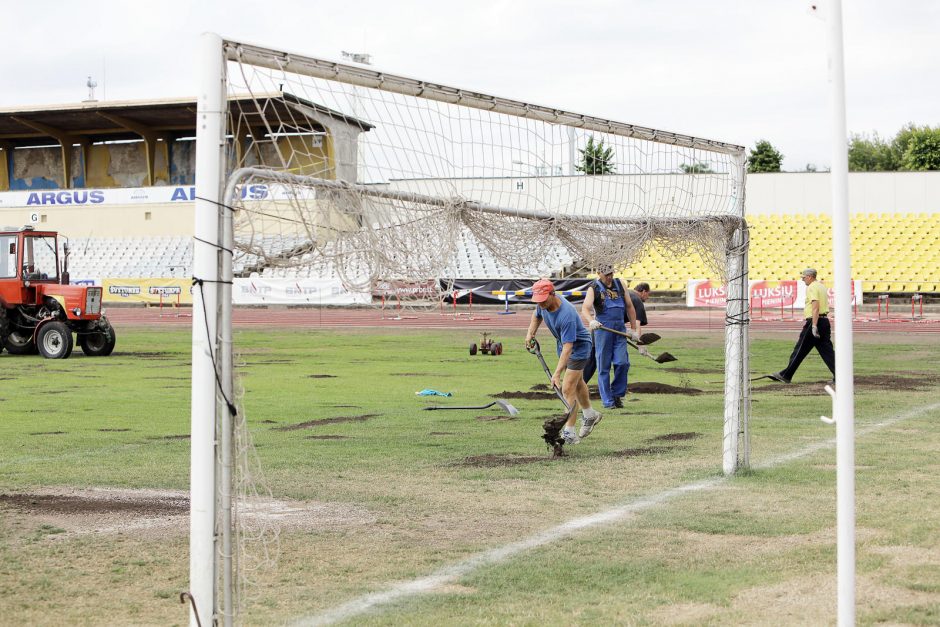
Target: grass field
[95,463]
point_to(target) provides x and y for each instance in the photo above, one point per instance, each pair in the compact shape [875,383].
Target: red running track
[674,319]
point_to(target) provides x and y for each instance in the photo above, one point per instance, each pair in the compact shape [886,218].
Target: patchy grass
[335,420]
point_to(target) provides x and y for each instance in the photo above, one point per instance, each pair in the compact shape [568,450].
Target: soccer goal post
[308,167]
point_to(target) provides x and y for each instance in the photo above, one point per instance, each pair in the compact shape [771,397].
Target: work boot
[618,402]
[778,377]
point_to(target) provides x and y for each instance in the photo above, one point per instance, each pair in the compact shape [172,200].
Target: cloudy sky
[733,70]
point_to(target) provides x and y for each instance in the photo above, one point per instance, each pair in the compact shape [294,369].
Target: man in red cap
[574,349]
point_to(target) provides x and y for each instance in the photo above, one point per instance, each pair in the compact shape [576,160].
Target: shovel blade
[665,358]
[509,408]
[649,338]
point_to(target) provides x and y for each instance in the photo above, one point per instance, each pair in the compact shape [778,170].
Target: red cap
[542,289]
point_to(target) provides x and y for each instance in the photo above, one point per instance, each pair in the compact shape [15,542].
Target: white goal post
[311,166]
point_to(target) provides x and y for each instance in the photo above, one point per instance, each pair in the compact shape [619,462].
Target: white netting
[371,177]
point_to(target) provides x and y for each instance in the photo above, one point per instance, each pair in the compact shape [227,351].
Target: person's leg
[590,368]
[824,345]
[603,350]
[803,346]
[571,383]
[621,361]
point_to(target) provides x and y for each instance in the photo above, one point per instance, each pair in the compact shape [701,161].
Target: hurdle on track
[176,306]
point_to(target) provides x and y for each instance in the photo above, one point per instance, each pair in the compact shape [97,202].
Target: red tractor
[487,346]
[39,310]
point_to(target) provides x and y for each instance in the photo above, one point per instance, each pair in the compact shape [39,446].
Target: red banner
[773,294]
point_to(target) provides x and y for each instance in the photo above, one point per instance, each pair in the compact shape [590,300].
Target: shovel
[512,410]
[536,350]
[661,359]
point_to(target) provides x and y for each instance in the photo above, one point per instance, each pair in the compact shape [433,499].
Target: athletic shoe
[569,436]
[778,377]
[618,402]
[589,422]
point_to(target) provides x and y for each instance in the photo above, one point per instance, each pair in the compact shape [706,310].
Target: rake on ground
[512,410]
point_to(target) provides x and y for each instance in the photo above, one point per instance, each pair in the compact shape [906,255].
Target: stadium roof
[100,121]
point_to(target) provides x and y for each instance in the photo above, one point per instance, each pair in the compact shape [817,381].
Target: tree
[596,159]
[919,148]
[873,154]
[696,168]
[764,158]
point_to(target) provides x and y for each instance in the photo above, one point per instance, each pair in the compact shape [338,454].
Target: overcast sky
[732,70]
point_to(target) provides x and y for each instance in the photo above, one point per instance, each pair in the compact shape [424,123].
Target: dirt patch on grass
[497,417]
[324,421]
[321,376]
[494,460]
[441,433]
[112,430]
[327,437]
[647,450]
[673,437]
[49,433]
[159,512]
[149,355]
[532,396]
[181,436]
[537,392]
[908,383]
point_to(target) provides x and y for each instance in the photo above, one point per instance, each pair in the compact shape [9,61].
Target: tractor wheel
[54,340]
[100,343]
[473,349]
[499,348]
[18,343]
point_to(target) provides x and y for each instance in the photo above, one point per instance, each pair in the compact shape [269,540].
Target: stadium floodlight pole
[210,124]
[844,395]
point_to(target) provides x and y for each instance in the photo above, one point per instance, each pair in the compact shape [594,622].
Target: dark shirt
[639,307]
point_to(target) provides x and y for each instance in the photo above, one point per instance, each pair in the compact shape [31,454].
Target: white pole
[209,144]
[227,418]
[844,410]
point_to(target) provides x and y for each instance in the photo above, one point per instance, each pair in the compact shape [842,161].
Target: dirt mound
[661,388]
[324,421]
[321,376]
[494,460]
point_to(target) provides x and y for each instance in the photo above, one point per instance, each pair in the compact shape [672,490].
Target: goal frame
[212,408]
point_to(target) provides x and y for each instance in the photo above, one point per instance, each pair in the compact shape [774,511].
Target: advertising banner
[150,291]
[774,294]
[763,294]
[705,293]
[138,195]
[260,291]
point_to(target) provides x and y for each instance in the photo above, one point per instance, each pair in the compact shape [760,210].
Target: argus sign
[122,196]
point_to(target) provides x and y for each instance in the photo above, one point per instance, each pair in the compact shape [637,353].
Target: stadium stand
[891,252]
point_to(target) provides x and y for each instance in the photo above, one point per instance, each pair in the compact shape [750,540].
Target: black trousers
[806,343]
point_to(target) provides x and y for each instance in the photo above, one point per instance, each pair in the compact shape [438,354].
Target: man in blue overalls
[605,305]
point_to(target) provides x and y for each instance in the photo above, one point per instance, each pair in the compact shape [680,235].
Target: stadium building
[117,178]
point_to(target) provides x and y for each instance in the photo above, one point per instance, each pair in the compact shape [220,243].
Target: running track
[675,319]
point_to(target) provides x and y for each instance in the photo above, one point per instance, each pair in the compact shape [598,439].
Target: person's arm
[815,318]
[588,315]
[630,311]
[566,349]
[533,327]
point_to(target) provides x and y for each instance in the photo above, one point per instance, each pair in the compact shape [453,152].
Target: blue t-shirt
[565,324]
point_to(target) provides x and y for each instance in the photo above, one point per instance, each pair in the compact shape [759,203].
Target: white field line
[448,574]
